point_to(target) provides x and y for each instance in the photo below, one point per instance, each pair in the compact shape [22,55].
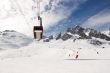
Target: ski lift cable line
[38,7]
[20,10]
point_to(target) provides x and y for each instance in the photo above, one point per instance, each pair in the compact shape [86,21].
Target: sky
[88,14]
[57,15]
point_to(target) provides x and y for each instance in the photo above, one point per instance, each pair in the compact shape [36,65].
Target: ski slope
[53,57]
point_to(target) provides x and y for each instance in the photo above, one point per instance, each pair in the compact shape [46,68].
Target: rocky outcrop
[94,33]
[58,36]
[66,36]
[95,42]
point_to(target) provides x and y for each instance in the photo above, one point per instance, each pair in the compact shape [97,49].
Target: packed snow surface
[56,57]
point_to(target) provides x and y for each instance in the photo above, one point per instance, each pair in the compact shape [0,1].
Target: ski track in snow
[53,57]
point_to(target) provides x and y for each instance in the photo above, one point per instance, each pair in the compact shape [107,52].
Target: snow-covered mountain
[54,55]
[78,32]
[57,56]
[13,39]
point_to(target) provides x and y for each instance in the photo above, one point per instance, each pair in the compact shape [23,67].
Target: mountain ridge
[79,32]
[13,39]
[84,33]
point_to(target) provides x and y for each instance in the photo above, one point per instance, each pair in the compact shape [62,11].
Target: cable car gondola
[38,30]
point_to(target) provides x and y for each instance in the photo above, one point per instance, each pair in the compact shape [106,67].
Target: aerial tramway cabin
[38,30]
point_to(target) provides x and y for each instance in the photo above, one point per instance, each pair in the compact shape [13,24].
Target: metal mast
[38,13]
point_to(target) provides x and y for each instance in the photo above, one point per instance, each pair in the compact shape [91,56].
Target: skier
[77,55]
[97,52]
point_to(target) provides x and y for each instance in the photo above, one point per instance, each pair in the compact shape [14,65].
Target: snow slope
[13,39]
[53,57]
